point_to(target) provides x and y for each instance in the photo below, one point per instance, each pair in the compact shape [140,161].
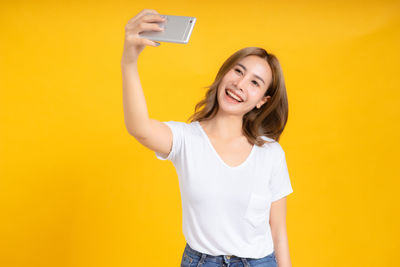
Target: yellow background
[77,190]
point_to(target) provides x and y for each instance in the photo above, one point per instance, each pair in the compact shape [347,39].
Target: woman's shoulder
[266,138]
[187,127]
[272,144]
[179,123]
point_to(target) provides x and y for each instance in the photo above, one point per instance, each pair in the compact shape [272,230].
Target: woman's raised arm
[136,116]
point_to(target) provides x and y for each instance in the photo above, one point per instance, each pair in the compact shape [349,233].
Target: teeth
[233,95]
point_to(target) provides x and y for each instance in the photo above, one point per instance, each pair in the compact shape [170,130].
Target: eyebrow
[253,74]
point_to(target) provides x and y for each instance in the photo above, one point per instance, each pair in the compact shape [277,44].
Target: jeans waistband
[217,259]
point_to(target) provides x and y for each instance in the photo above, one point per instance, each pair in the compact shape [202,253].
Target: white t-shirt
[225,210]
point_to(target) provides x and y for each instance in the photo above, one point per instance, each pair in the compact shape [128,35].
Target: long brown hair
[270,120]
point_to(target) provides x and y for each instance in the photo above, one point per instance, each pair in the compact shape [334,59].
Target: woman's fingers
[148,27]
[135,29]
[153,18]
[143,13]
[145,22]
[144,41]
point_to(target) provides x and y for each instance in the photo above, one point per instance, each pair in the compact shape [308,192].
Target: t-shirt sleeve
[280,182]
[177,129]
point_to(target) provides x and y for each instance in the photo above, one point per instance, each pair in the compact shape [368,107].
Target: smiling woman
[230,166]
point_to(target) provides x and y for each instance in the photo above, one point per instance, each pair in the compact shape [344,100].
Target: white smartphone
[177,29]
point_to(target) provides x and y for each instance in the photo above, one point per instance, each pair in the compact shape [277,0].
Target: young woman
[232,172]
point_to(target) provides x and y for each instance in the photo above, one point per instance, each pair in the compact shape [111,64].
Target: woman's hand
[145,20]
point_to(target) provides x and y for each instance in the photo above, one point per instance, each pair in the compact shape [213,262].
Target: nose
[240,82]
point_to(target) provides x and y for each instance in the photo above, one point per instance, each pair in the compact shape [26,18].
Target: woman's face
[249,79]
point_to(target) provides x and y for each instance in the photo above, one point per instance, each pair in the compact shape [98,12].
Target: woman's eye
[238,70]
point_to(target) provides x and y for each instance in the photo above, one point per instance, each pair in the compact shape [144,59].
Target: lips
[235,92]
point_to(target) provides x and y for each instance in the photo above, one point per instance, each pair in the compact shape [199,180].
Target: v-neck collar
[218,156]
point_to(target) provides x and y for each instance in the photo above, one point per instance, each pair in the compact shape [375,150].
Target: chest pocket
[257,210]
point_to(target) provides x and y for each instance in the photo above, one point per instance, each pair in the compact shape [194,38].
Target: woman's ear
[263,101]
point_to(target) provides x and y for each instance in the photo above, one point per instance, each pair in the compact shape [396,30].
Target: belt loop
[245,262]
[202,259]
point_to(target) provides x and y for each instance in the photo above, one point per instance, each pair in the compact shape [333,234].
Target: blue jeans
[194,258]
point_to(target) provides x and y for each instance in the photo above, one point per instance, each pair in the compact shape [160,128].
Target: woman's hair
[270,119]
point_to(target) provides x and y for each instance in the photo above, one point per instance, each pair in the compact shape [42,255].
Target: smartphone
[177,29]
